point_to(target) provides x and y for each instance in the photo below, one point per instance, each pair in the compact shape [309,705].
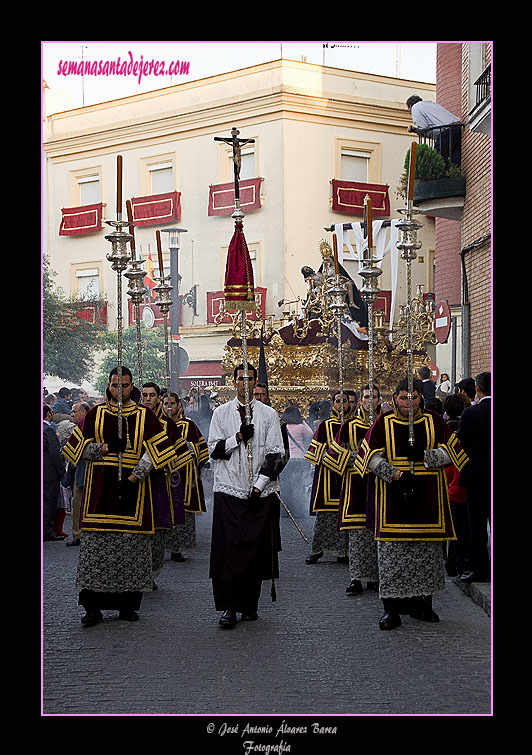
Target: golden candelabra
[422,316]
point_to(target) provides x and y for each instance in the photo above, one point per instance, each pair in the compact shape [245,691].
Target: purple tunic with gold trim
[325,495]
[426,516]
[102,509]
[194,497]
[354,491]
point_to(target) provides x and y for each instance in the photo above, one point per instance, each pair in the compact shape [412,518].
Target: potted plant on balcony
[433,179]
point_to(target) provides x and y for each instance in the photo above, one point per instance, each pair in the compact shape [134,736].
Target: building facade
[311,126]
[463,258]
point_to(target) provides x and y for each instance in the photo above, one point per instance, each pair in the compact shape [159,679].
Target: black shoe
[421,608]
[372,586]
[128,616]
[314,558]
[54,536]
[74,541]
[249,616]
[177,557]
[355,588]
[227,619]
[343,559]
[474,577]
[91,618]
[390,621]
[425,615]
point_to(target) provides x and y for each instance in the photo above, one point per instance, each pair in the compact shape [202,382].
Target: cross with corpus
[237,144]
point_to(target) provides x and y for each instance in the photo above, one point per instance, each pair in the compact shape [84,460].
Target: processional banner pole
[119,257]
[408,244]
[164,303]
[239,289]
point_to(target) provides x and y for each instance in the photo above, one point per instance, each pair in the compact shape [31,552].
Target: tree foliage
[70,340]
[152,352]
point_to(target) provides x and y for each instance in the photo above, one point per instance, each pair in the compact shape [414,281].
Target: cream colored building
[310,124]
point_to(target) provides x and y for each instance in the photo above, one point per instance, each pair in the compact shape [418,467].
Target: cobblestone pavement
[315,650]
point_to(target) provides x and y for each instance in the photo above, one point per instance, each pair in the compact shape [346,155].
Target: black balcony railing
[483,85]
[447,140]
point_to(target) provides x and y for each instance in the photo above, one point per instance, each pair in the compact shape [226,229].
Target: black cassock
[245,543]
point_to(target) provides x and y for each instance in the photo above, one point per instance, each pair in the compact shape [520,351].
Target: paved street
[313,651]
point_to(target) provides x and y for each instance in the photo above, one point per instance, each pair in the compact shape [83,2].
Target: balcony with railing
[442,196]
[480,115]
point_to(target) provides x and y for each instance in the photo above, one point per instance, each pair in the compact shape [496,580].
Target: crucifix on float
[237,145]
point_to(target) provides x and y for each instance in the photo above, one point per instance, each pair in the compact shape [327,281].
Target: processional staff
[119,257]
[338,307]
[239,294]
[408,244]
[164,303]
[239,284]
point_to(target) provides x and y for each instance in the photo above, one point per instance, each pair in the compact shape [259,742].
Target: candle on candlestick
[131,229]
[369,221]
[412,171]
[335,251]
[159,252]
[119,185]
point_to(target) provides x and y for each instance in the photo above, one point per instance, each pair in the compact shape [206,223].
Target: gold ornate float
[301,351]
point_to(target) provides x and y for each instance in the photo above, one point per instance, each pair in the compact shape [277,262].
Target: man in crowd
[76,475]
[439,124]
[167,499]
[325,495]
[187,482]
[474,432]
[53,471]
[412,511]
[245,529]
[115,559]
[340,458]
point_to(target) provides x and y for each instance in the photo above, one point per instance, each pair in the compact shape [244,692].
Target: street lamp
[173,244]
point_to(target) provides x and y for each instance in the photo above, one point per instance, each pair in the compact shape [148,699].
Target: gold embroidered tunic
[426,515]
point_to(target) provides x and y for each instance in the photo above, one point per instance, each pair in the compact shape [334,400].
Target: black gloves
[127,490]
[116,445]
[405,484]
[414,453]
[254,498]
[246,431]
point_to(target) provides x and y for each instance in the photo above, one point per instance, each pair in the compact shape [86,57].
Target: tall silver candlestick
[408,244]
[136,291]
[164,302]
[336,292]
[119,257]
